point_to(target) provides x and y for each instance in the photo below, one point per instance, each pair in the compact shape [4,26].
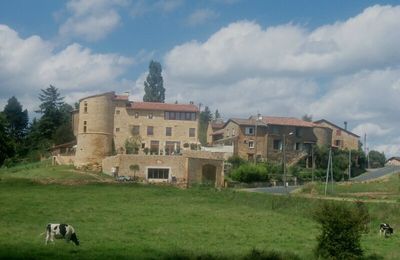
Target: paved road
[370,175]
[377,173]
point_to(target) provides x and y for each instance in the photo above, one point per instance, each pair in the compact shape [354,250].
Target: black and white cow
[61,231]
[385,229]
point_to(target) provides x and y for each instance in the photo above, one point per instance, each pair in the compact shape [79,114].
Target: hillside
[116,220]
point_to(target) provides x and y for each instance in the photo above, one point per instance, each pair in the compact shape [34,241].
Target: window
[117,129]
[172,147]
[158,173]
[297,146]
[84,126]
[189,116]
[298,132]
[85,107]
[150,130]
[249,131]
[251,144]
[117,112]
[275,129]
[338,143]
[277,144]
[192,132]
[154,147]
[135,130]
[338,132]
[168,131]
[150,116]
[233,132]
[143,145]
[136,114]
[227,132]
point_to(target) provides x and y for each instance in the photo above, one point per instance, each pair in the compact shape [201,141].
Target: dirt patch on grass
[369,195]
[354,198]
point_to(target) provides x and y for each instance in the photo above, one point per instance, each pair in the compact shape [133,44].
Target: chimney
[345,125]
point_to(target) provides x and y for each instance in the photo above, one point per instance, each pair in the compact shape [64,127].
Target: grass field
[132,221]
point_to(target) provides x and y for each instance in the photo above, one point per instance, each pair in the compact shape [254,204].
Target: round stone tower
[95,129]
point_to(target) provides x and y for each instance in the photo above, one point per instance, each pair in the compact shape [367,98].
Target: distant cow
[61,231]
[385,229]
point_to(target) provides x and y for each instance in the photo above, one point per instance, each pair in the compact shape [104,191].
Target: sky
[337,60]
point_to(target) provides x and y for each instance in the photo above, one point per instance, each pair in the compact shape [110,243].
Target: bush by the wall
[341,228]
[236,161]
[250,173]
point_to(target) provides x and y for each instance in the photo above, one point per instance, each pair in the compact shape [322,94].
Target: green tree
[17,119]
[7,147]
[204,119]
[341,228]
[55,123]
[217,115]
[153,86]
[133,144]
[51,110]
[64,132]
[376,159]
[307,118]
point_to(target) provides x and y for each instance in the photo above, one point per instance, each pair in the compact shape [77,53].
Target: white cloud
[345,71]
[366,41]
[28,65]
[91,19]
[142,7]
[201,16]
[371,129]
[389,149]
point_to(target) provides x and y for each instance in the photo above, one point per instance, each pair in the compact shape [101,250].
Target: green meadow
[134,221]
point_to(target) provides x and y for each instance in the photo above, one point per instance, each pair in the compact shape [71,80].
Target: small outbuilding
[393,161]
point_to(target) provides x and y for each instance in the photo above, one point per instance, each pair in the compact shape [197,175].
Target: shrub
[341,226]
[236,161]
[274,168]
[250,173]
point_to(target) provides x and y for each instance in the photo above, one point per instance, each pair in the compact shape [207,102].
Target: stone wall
[346,140]
[125,119]
[183,169]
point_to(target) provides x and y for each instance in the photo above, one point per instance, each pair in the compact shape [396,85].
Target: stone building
[393,161]
[184,170]
[265,138]
[341,137]
[103,123]
[214,130]
[163,137]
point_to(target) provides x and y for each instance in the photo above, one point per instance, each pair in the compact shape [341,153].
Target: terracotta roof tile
[272,120]
[332,124]
[163,106]
[291,121]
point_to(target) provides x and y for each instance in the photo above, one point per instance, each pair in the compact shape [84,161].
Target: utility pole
[329,169]
[255,139]
[349,164]
[312,163]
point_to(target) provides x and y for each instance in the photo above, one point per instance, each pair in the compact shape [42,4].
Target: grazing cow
[61,231]
[385,229]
